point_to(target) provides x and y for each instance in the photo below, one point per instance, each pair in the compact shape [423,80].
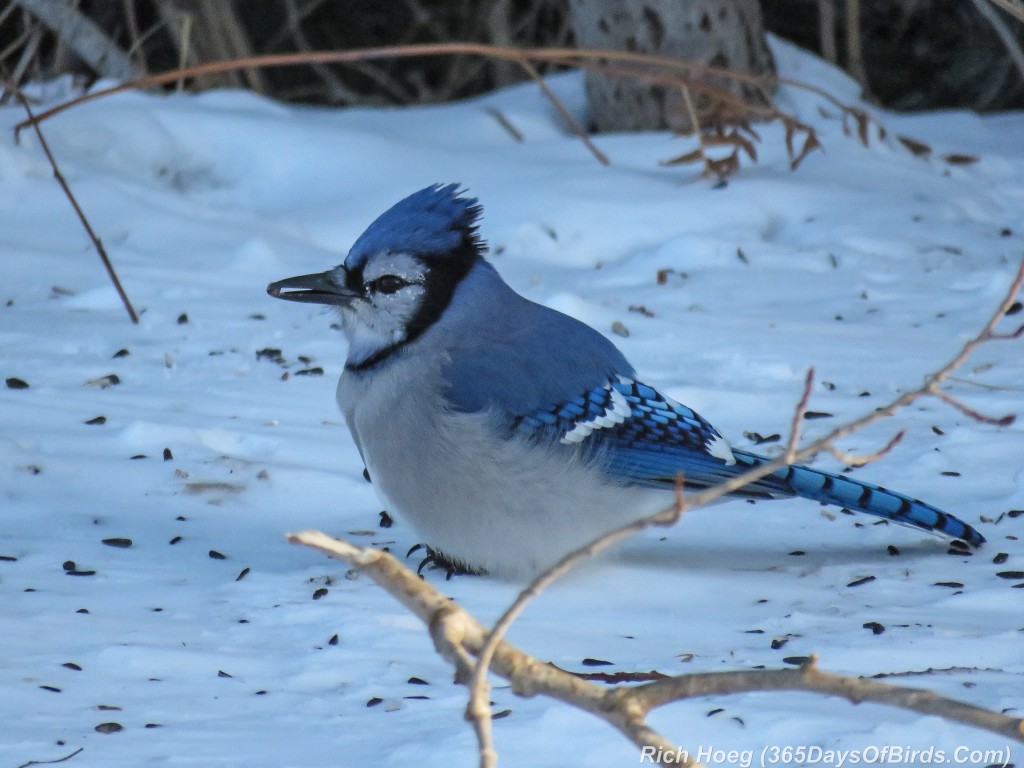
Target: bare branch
[686,71]
[505,123]
[999,421]
[458,636]
[859,460]
[1007,336]
[798,418]
[571,121]
[28,53]
[78,210]
[691,112]
[809,678]
[930,387]
[336,90]
[451,627]
[478,711]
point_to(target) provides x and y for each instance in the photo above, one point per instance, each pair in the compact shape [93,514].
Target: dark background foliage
[915,53]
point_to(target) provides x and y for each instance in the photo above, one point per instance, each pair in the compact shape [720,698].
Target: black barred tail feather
[841,491]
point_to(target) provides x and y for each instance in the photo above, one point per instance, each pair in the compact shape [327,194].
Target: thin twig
[336,90]
[478,709]
[860,459]
[51,762]
[78,210]
[563,56]
[931,387]
[505,123]
[999,421]
[684,73]
[565,113]
[131,17]
[985,385]
[798,418]
[691,112]
[28,53]
[554,56]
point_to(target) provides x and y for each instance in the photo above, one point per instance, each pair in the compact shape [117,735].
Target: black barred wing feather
[646,438]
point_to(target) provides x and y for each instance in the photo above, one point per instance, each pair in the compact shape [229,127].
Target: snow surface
[869,263]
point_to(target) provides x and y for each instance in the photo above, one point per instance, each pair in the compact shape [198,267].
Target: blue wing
[644,437]
[647,439]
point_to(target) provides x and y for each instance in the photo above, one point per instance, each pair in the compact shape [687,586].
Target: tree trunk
[83,36]
[723,33]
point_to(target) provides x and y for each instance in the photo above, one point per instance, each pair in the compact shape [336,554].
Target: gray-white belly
[508,506]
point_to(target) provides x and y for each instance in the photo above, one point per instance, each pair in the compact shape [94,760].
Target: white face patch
[398,264]
[616,413]
[379,319]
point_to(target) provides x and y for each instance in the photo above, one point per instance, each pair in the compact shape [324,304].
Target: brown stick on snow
[78,210]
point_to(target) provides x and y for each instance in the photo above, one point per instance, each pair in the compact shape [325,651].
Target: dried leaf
[719,140]
[747,145]
[811,143]
[723,167]
[689,157]
[862,125]
[790,130]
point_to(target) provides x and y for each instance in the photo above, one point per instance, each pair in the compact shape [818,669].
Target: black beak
[321,288]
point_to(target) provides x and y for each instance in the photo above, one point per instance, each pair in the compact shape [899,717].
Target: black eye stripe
[439,281]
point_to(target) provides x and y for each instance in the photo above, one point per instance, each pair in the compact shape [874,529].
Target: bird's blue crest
[432,221]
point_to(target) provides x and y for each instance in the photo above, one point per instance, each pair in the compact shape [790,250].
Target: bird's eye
[388,284]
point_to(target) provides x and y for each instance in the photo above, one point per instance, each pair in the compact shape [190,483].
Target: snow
[869,263]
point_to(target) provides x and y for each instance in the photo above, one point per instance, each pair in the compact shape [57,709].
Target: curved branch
[458,636]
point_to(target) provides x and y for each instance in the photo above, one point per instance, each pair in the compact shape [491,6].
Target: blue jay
[508,433]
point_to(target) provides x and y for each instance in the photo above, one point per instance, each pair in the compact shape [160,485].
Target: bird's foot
[438,561]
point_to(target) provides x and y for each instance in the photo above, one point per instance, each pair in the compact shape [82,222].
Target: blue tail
[797,480]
